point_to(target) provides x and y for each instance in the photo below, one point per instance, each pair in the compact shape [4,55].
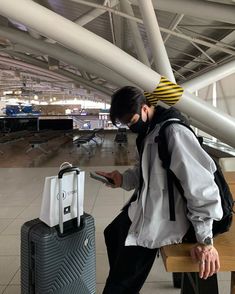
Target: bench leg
[191,283]
[177,279]
[232,282]
[101,138]
[94,141]
[29,149]
[87,149]
[35,146]
[43,150]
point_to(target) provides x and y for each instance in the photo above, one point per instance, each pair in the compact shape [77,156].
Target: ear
[145,107]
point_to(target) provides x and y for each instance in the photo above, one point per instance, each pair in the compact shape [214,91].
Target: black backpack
[227,202]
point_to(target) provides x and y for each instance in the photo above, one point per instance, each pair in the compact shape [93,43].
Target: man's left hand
[208,258]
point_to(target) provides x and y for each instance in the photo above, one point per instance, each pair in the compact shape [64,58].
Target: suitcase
[55,262]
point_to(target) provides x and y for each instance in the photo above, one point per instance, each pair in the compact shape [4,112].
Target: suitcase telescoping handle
[61,208]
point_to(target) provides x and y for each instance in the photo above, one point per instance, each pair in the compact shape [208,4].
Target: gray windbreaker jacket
[151,226]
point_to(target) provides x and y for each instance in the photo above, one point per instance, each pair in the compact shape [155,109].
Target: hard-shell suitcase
[55,262]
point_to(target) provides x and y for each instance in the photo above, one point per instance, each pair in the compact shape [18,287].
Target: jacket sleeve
[131,176]
[195,170]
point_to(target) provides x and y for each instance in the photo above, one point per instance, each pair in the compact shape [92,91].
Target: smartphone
[102,179]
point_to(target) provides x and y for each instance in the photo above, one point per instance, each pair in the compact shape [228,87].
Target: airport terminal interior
[60,63]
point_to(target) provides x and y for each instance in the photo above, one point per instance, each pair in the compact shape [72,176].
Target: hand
[115,176]
[208,259]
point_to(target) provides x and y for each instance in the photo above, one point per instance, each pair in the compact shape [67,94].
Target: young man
[143,226]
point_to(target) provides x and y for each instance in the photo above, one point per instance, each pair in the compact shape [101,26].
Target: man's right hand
[115,176]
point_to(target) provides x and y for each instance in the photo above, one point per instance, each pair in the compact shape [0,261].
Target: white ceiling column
[83,42]
[118,23]
[208,117]
[221,88]
[135,34]
[111,25]
[210,77]
[160,56]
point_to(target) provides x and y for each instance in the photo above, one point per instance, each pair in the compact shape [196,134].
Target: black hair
[126,101]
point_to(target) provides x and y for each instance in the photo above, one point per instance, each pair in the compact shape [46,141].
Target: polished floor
[20,200]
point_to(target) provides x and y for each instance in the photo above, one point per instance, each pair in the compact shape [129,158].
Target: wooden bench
[177,259]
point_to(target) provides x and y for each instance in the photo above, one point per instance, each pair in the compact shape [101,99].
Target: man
[143,226]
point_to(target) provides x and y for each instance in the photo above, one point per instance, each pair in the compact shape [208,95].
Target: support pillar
[210,77]
[137,39]
[160,56]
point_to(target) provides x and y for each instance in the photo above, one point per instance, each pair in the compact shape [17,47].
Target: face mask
[140,126]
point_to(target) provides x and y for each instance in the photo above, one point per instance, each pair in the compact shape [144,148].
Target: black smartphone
[102,179]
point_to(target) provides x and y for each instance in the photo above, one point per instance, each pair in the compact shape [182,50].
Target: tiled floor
[20,200]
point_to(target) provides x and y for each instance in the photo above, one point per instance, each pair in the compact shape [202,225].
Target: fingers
[114,175]
[196,253]
[201,268]
[193,255]
[117,178]
[210,270]
[102,173]
[208,260]
[217,265]
[207,269]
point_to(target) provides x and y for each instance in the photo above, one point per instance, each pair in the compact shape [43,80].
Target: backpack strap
[179,122]
[165,157]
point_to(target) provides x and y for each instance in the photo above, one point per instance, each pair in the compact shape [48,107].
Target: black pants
[129,265]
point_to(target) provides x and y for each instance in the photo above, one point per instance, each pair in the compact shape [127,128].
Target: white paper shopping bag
[72,190]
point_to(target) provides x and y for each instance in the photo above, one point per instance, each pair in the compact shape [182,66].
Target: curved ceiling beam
[197,8]
[31,68]
[63,54]
[79,40]
[87,84]
[40,66]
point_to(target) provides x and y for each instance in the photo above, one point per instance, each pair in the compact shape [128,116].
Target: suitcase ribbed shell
[51,263]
